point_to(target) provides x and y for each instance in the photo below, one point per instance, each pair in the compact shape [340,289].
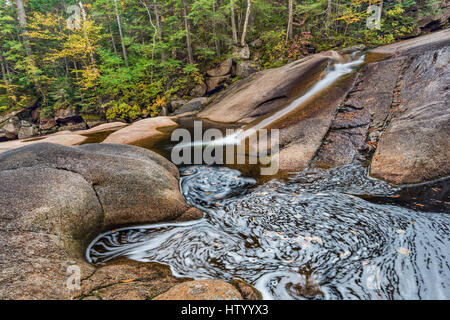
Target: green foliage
[86,67]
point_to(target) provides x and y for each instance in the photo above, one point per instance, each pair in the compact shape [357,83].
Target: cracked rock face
[416,147]
[55,199]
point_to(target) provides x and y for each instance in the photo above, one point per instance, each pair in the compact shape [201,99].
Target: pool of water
[318,234]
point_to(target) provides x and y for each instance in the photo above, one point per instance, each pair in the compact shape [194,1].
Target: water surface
[333,234]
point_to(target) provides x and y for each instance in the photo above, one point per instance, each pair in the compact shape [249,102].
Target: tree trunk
[3,68]
[233,24]
[329,9]
[154,34]
[119,24]
[290,29]
[247,17]
[216,42]
[23,25]
[158,25]
[188,33]
[113,41]
[83,15]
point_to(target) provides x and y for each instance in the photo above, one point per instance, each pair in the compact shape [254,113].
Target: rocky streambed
[359,210]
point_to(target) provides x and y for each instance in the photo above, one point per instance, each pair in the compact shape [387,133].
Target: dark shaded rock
[65,114]
[35,115]
[176,104]
[193,105]
[367,106]
[73,126]
[223,69]
[199,90]
[247,291]
[213,83]
[341,147]
[46,124]
[435,21]
[245,68]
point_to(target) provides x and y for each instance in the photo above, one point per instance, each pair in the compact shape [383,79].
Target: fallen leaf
[400,231]
[365,262]
[403,251]
[128,280]
[419,205]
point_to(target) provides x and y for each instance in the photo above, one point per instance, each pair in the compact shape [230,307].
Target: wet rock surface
[245,96]
[397,111]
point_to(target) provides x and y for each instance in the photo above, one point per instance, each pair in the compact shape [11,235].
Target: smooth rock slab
[143,133]
[246,96]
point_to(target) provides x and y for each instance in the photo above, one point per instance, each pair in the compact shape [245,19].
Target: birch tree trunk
[158,25]
[154,34]
[329,9]
[3,68]
[188,33]
[83,15]
[290,29]
[247,17]
[216,42]
[119,24]
[233,23]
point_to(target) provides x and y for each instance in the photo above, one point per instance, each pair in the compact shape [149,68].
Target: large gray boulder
[55,199]
[133,185]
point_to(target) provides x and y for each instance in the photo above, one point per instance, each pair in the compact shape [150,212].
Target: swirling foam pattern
[311,237]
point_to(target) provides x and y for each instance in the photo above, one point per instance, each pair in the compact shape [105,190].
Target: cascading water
[333,73]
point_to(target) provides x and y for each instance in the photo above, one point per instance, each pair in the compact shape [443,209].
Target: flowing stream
[318,234]
[311,236]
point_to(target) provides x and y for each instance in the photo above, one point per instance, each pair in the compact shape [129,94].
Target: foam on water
[313,236]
